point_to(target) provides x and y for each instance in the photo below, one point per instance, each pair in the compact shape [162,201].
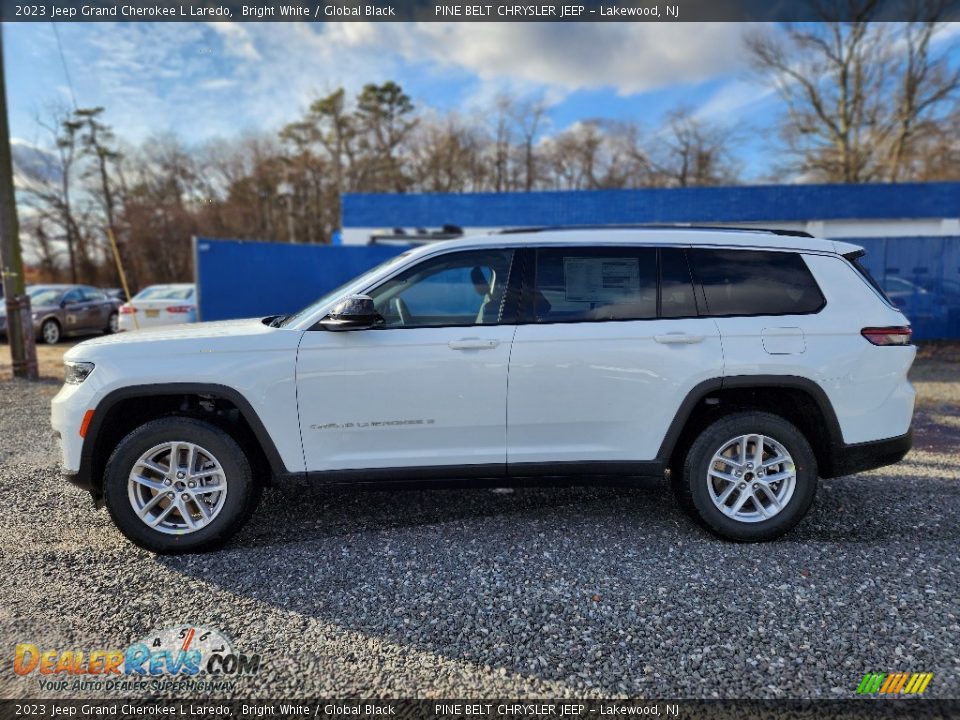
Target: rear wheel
[750,476]
[113,324]
[179,485]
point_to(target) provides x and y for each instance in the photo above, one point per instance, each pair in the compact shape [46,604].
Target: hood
[210,337]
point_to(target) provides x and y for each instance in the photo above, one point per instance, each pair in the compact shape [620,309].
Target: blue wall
[239,279]
[922,276]
[768,203]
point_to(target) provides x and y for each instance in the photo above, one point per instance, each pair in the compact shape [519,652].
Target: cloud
[237,41]
[630,58]
[733,97]
[207,79]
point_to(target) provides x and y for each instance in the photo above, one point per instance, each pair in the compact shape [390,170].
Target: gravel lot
[571,592]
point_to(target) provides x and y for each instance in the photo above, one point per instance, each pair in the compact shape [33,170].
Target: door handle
[678,338]
[472,344]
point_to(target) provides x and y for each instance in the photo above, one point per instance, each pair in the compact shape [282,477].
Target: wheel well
[127,414]
[795,405]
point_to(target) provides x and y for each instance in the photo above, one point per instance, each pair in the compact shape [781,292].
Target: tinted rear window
[854,259]
[755,282]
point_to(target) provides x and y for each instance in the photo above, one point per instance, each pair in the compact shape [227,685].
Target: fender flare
[84,477]
[703,389]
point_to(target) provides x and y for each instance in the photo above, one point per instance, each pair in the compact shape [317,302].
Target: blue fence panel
[239,278]
[921,275]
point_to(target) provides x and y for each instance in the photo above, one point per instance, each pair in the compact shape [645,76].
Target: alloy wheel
[751,478]
[177,487]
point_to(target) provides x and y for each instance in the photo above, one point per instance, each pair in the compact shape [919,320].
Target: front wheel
[750,476]
[179,484]
[113,324]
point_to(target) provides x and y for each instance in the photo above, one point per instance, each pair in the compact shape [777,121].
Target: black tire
[50,332]
[693,488]
[111,324]
[243,492]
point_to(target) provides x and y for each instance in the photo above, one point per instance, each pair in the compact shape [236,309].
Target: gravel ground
[570,592]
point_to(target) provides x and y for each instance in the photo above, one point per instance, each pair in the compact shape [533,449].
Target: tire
[50,332]
[199,526]
[112,324]
[769,508]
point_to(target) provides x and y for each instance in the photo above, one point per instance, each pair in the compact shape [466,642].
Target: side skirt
[493,475]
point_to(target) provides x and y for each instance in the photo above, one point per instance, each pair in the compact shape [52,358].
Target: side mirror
[355,312]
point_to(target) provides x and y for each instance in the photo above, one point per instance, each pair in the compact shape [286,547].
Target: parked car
[68,310]
[948,291]
[117,293]
[927,310]
[743,365]
[159,305]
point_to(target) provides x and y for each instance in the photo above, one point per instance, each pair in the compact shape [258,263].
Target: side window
[73,296]
[91,294]
[604,283]
[676,289]
[755,282]
[465,288]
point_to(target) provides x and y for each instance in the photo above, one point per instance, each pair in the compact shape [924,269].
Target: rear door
[610,346]
[765,303]
[76,315]
[98,308]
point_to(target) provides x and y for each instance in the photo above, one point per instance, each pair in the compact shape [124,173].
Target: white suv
[740,364]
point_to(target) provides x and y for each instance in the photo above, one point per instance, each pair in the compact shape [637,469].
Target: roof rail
[640,226]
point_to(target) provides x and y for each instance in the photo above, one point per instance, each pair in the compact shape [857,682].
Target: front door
[428,389]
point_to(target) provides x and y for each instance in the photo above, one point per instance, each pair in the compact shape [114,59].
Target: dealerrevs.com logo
[902,683]
[176,657]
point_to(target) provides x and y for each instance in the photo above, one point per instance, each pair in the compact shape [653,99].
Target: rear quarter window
[755,282]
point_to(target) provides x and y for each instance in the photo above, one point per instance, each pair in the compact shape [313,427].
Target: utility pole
[23,349]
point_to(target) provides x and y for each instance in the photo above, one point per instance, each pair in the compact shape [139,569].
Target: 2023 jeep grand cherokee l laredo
[743,364]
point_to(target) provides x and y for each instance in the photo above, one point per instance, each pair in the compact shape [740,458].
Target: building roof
[765,203]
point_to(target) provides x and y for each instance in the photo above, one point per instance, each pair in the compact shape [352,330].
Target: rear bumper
[858,457]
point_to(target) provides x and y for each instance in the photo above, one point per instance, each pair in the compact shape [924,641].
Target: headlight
[76,372]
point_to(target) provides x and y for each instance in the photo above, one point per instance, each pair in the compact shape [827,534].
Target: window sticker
[589,279]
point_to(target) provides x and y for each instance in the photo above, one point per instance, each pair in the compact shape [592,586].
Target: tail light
[888,335]
[180,309]
[127,309]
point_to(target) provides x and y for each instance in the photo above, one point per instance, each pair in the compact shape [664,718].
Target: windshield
[347,288]
[165,293]
[44,296]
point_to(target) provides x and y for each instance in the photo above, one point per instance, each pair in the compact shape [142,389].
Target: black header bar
[485,709]
[439,10]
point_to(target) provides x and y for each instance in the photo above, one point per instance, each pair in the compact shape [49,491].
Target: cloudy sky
[208,80]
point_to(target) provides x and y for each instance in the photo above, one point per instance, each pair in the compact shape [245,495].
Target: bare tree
[96,141]
[528,116]
[925,84]
[693,152]
[857,93]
